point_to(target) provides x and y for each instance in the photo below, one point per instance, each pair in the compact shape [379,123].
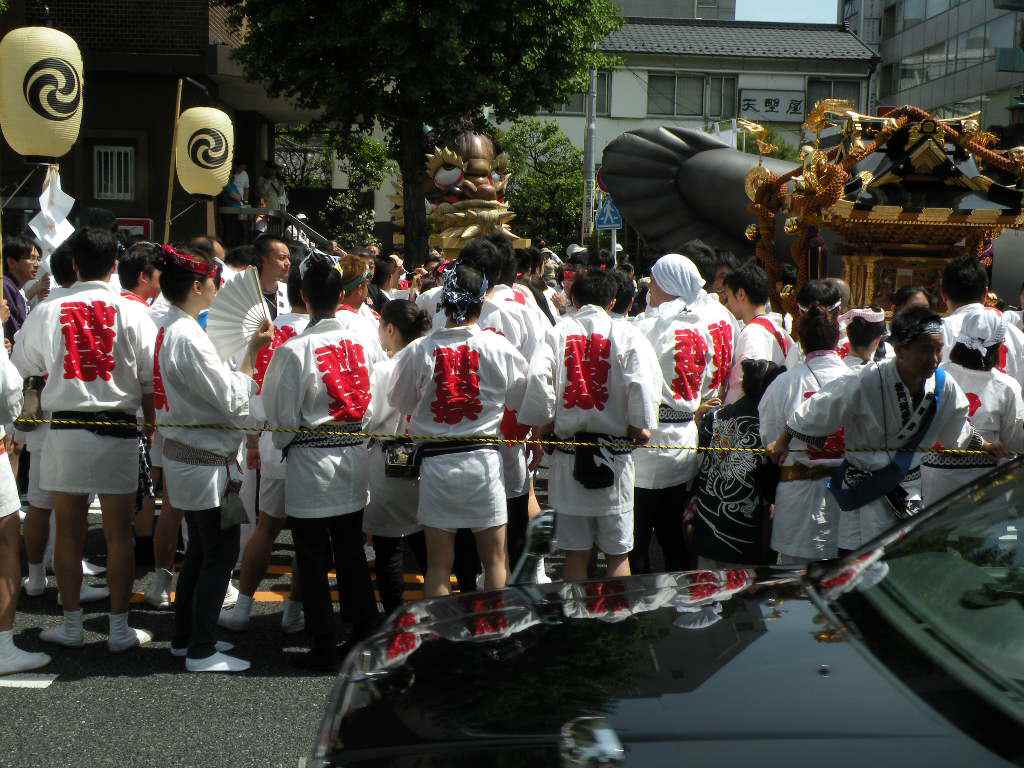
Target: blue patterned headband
[456,300]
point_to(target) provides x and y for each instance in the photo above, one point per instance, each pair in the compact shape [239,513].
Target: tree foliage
[783,149]
[406,64]
[546,187]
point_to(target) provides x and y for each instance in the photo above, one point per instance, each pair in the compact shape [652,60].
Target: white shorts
[10,502]
[462,490]
[613,534]
[76,461]
[271,500]
[37,497]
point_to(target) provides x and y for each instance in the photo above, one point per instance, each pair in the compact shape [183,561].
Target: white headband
[833,308]
[866,314]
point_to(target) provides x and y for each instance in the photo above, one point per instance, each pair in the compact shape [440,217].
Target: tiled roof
[761,39]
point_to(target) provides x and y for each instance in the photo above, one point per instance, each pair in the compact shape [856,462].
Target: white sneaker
[64,635]
[233,619]
[125,641]
[88,594]
[293,621]
[218,662]
[35,588]
[158,592]
[231,596]
[91,569]
[222,646]
[542,576]
[15,660]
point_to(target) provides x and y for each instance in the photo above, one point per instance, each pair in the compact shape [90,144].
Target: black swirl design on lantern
[208,148]
[53,89]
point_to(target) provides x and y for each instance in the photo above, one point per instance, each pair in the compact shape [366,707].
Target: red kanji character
[835,444]
[721,337]
[1001,365]
[159,393]
[511,428]
[89,334]
[586,368]
[346,378]
[281,335]
[457,380]
[974,401]
[844,349]
[691,360]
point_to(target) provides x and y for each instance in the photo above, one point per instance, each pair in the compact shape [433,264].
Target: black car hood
[698,669]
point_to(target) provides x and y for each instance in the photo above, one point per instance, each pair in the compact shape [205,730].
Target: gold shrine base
[874,275]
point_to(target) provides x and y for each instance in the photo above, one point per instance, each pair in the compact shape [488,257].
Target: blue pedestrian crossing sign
[609,217]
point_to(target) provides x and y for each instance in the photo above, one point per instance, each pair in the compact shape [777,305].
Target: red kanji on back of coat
[586,369]
[281,335]
[159,393]
[88,331]
[346,378]
[457,381]
[721,337]
[691,360]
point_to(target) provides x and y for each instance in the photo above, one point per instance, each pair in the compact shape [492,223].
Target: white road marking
[27,680]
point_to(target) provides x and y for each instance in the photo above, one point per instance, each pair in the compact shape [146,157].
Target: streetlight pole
[588,158]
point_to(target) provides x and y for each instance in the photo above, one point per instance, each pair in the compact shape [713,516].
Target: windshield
[955,588]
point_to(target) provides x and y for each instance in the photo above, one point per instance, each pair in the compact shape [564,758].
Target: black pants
[518,520]
[319,542]
[661,512]
[390,558]
[203,580]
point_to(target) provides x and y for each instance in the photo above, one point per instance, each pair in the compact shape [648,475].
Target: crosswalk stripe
[27,680]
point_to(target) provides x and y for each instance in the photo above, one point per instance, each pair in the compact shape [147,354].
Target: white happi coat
[685,353]
[11,398]
[430,300]
[995,412]
[1011,357]
[391,510]
[95,349]
[723,329]
[366,323]
[756,342]
[286,326]
[592,374]
[805,523]
[194,386]
[875,410]
[322,376]
[504,314]
[456,382]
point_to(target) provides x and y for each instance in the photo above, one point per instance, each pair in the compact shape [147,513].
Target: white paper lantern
[204,149]
[41,92]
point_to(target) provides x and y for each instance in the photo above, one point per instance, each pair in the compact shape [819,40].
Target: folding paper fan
[236,315]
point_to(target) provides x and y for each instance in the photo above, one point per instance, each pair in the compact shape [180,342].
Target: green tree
[348,215]
[546,186]
[406,64]
[784,150]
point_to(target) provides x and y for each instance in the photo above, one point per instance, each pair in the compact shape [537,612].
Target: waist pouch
[403,458]
[125,427]
[593,467]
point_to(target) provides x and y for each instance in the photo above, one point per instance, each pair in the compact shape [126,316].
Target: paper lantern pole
[170,168]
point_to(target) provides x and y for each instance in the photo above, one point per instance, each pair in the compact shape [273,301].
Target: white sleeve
[380,410]
[956,428]
[11,389]
[145,329]
[517,371]
[643,379]
[823,414]
[283,394]
[752,343]
[538,406]
[27,354]
[1011,432]
[772,410]
[406,386]
[210,380]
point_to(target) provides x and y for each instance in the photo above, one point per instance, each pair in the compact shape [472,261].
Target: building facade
[134,53]
[951,57]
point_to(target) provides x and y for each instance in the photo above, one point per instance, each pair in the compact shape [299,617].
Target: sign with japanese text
[772,106]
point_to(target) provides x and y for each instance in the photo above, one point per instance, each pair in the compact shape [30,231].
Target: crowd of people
[817,429]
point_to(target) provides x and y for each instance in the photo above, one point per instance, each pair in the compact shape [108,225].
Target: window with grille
[113,173]
[676,94]
[833,89]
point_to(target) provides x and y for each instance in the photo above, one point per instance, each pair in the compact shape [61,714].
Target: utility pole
[588,159]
